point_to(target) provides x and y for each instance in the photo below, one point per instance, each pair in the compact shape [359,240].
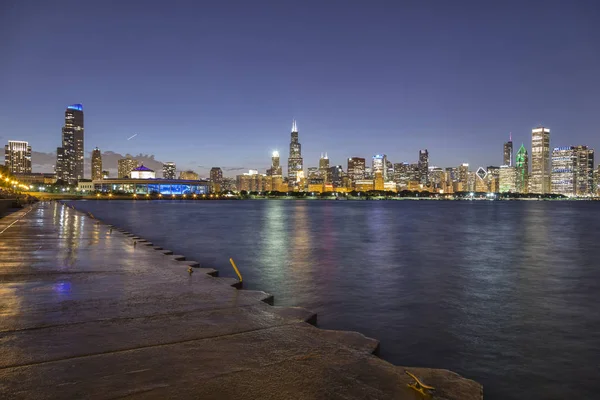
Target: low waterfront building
[36,178]
[152,186]
[390,186]
[364,185]
[143,172]
[316,185]
[85,185]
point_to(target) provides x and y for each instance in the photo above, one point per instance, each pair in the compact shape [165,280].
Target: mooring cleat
[419,386]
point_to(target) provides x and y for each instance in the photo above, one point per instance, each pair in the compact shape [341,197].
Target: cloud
[44,162]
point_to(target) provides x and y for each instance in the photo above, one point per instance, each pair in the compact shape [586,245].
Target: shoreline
[447,381]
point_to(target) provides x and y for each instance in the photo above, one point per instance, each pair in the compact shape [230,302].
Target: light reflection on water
[501,292]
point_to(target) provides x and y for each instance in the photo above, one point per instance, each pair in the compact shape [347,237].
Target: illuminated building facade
[216,179]
[189,175]
[337,176]
[356,169]
[522,170]
[508,152]
[380,165]
[252,181]
[316,185]
[169,170]
[378,181]
[125,166]
[436,178]
[463,178]
[275,169]
[493,178]
[539,180]
[152,186]
[96,164]
[507,179]
[36,178]
[572,171]
[402,174]
[584,172]
[423,166]
[69,157]
[364,185]
[481,182]
[390,171]
[564,164]
[295,163]
[142,172]
[17,157]
[324,168]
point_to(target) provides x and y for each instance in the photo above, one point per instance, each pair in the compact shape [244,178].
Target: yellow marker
[235,268]
[419,386]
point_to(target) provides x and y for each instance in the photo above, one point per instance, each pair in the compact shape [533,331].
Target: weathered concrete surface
[86,314]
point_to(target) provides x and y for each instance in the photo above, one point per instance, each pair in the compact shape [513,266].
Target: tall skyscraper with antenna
[295,166]
[508,152]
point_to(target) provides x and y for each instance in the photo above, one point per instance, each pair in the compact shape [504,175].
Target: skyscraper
[564,165]
[169,170]
[356,168]
[462,184]
[125,166]
[337,175]
[508,152]
[216,179]
[324,168]
[380,165]
[96,164]
[69,157]
[539,180]
[423,166]
[573,171]
[402,174]
[275,169]
[507,179]
[17,157]
[522,168]
[295,166]
[584,172]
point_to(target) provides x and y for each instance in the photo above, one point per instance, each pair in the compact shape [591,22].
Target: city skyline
[456,91]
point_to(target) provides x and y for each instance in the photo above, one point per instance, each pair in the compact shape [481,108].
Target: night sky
[218,83]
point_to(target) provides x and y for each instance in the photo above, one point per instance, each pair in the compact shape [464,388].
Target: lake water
[506,293]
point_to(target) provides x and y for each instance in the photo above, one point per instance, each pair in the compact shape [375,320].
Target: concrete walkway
[86,314]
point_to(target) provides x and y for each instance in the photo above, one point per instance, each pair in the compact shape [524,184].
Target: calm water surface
[506,293]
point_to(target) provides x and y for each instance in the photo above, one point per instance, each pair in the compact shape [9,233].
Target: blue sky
[218,83]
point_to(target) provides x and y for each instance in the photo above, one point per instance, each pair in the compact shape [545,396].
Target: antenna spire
[294,128]
[510,137]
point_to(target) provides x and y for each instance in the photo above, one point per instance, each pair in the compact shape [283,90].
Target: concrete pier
[86,314]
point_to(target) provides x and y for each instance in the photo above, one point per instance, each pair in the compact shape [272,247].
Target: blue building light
[78,107]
